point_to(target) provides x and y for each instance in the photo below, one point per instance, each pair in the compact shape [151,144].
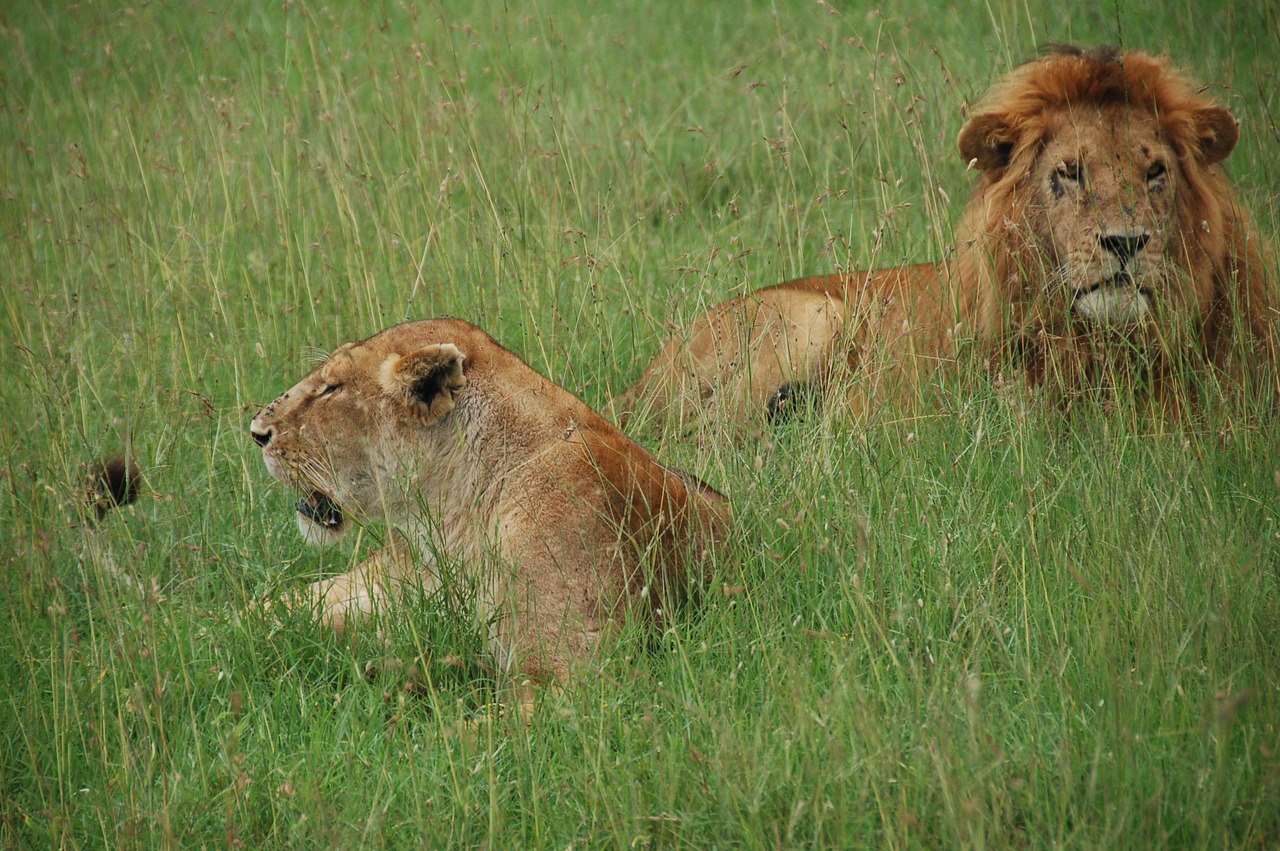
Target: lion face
[1104,189]
[353,434]
[1095,207]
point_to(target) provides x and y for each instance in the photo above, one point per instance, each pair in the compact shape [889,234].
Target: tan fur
[731,362]
[1102,238]
[559,520]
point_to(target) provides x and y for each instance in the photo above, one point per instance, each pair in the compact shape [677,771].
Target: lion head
[1101,208]
[352,433]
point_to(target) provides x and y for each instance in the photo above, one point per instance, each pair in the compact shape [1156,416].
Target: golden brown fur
[1102,240]
[741,358]
[559,519]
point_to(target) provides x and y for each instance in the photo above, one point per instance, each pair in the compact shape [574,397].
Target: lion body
[1101,232]
[557,519]
[738,359]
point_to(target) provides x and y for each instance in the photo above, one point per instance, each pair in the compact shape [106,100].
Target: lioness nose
[261,435]
[1124,245]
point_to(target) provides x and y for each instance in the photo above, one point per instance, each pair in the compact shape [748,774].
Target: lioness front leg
[373,585]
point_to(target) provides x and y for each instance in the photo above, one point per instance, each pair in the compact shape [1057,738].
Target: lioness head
[1099,204]
[350,433]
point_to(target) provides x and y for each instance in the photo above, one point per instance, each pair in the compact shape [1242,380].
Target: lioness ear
[427,380]
[986,140]
[1216,133]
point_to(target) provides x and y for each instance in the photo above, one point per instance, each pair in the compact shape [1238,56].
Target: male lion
[1102,240]
[558,518]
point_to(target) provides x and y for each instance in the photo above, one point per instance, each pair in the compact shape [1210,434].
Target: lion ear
[427,380]
[1217,132]
[987,141]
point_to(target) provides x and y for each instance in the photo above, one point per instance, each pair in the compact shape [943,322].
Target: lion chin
[1117,303]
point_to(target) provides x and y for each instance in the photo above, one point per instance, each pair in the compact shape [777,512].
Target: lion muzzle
[1115,302]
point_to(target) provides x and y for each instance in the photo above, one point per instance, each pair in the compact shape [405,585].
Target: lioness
[560,519]
[1102,239]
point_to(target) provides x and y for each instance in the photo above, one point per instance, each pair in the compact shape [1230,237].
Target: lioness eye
[1157,170]
[329,390]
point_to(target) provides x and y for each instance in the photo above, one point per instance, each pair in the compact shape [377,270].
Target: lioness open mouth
[321,510]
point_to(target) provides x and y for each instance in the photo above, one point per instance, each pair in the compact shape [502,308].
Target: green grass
[976,629]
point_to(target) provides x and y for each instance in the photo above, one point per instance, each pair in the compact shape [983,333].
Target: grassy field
[976,629]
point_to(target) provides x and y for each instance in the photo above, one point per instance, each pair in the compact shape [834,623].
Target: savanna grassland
[981,626]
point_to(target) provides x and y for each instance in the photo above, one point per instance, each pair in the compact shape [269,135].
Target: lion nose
[261,434]
[1124,245]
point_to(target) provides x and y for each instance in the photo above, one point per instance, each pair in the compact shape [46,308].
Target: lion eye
[1156,171]
[1065,172]
[1069,171]
[329,390]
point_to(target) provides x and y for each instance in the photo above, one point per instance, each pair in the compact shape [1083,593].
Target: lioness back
[559,520]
